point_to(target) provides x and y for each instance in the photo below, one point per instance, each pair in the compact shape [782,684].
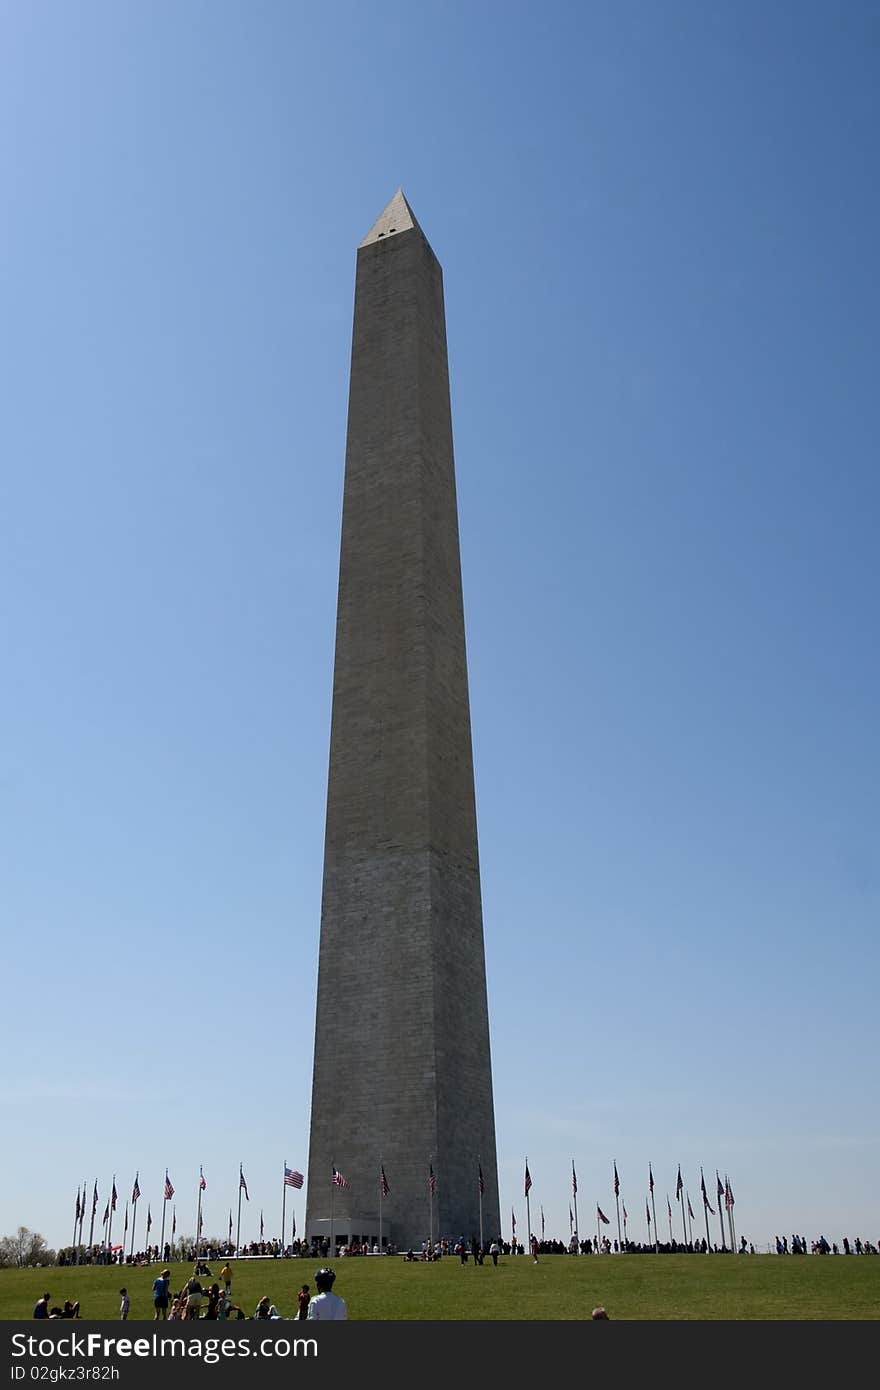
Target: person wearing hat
[326,1305]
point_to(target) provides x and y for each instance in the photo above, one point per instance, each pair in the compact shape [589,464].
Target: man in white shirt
[326,1305]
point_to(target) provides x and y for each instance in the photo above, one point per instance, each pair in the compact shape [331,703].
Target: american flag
[230,1223]
[616,1181]
[261,1225]
[135,1191]
[482,1185]
[570,1220]
[95,1200]
[201,1221]
[669,1206]
[528,1180]
[432,1180]
[705,1194]
[76,1218]
[338,1180]
[574,1181]
[106,1215]
[125,1227]
[690,1208]
[383,1182]
[150,1222]
[242,1185]
[173,1221]
[202,1183]
[720,1187]
[728,1193]
[292,1178]
[513,1221]
[647,1211]
[113,1197]
[650,1181]
[169,1190]
[601,1215]
[625,1217]
[542,1223]
[679,1185]
[293,1232]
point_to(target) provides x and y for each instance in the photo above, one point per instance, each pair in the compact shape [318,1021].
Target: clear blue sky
[659,231]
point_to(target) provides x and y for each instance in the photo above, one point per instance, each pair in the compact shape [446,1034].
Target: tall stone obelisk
[402,1073]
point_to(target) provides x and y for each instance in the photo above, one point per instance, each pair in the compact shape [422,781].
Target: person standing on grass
[161,1285]
[124,1305]
[226,1276]
[533,1242]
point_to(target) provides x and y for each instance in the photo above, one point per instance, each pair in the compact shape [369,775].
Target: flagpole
[332,1204]
[94,1209]
[669,1214]
[617,1204]
[729,1207]
[76,1218]
[283,1203]
[719,1193]
[430,1207]
[125,1231]
[648,1215]
[110,1222]
[164,1205]
[654,1211]
[82,1217]
[624,1225]
[574,1193]
[134,1217]
[705,1210]
[381,1170]
[199,1214]
[528,1216]
[238,1224]
[690,1239]
[480,1194]
[679,1188]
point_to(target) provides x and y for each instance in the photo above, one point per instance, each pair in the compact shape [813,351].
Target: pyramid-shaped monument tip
[396,217]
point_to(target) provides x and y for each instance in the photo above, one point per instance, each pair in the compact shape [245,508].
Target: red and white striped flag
[647,1211]
[679,1185]
[242,1185]
[601,1215]
[720,1186]
[150,1220]
[528,1179]
[690,1208]
[705,1194]
[616,1181]
[202,1183]
[106,1215]
[113,1197]
[650,1181]
[383,1182]
[513,1222]
[292,1178]
[432,1180]
[76,1218]
[668,1206]
[169,1190]
[728,1193]
[338,1180]
[625,1217]
[135,1191]
[480,1183]
[574,1181]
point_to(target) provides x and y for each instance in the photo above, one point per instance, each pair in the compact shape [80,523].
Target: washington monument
[402,1080]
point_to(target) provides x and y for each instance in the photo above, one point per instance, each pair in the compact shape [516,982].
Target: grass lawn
[559,1287]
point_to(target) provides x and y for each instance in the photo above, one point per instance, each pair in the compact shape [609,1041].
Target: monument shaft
[402,1072]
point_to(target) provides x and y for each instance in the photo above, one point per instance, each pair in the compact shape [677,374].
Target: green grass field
[559,1287]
